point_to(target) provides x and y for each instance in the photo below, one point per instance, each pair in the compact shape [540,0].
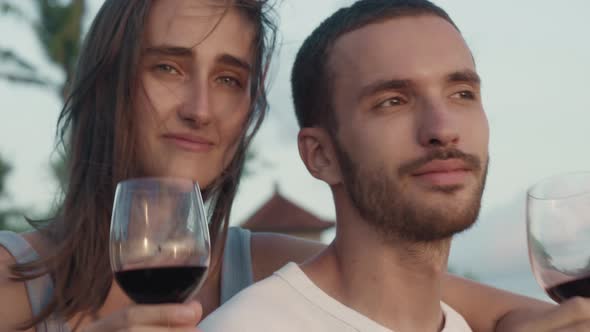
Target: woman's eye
[165,68]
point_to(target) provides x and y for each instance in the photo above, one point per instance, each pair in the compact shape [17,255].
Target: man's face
[194,91]
[412,137]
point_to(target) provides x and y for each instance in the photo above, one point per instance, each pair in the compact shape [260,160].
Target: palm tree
[6,213]
[4,170]
[58,28]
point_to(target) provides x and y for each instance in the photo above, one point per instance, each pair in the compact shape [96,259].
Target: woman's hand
[151,318]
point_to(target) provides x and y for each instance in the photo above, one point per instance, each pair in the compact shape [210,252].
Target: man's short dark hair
[311,80]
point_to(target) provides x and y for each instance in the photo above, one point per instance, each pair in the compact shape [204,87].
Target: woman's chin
[202,181]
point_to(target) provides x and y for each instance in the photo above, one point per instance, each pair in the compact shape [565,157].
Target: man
[388,99]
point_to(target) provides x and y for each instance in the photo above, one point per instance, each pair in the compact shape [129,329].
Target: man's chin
[447,190]
[444,218]
[444,230]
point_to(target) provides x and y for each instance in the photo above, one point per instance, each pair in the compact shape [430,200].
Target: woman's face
[193,97]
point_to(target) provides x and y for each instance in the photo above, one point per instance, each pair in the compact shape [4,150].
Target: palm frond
[9,9]
[59,169]
[28,79]
[9,56]
[5,168]
[59,30]
[12,220]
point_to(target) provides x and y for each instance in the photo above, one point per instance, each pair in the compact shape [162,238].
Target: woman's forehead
[186,23]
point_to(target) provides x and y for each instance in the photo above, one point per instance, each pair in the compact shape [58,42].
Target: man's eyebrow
[461,76]
[383,85]
[464,76]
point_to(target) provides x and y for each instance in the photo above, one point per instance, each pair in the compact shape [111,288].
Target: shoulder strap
[236,270]
[39,290]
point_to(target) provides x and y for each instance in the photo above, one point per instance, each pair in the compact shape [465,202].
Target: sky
[534,60]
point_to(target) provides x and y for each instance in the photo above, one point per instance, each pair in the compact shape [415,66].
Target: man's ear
[317,152]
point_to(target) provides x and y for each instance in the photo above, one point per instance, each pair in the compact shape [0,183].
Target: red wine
[161,284]
[578,287]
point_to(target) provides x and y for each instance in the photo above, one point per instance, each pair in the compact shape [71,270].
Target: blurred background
[533,57]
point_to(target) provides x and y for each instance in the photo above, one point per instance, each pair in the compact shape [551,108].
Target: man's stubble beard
[380,199]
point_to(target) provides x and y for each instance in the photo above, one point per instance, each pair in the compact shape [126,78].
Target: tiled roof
[279,214]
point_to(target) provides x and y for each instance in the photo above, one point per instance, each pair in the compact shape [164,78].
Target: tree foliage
[58,28]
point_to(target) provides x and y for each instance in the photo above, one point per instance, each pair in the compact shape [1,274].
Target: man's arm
[570,316]
[484,307]
[489,309]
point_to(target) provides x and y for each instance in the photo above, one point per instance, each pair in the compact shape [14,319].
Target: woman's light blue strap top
[40,289]
[236,273]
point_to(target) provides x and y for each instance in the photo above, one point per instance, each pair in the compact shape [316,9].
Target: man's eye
[464,95]
[165,68]
[395,101]
[229,81]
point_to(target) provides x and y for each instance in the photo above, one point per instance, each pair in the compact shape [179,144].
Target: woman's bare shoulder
[270,251]
[14,302]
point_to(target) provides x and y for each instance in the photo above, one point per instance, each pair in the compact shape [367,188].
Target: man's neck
[395,283]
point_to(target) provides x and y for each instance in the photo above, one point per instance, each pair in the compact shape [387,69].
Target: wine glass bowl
[159,239]
[558,234]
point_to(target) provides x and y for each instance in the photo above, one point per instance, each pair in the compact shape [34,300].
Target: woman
[164,88]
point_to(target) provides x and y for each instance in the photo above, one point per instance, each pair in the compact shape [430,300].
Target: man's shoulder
[271,251]
[454,322]
[261,293]
[250,308]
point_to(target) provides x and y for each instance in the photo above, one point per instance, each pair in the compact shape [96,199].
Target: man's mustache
[473,162]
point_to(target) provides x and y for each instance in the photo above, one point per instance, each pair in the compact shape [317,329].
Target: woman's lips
[189,142]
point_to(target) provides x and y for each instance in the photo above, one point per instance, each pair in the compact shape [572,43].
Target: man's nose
[437,125]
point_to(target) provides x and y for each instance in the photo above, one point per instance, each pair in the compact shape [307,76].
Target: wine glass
[558,232]
[159,240]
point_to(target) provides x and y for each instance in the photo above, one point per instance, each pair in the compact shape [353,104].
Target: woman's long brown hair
[96,129]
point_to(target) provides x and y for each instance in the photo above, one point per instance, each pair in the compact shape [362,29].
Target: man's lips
[189,142]
[443,172]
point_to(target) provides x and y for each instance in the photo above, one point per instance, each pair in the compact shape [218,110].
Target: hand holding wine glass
[159,242]
[558,231]
[154,318]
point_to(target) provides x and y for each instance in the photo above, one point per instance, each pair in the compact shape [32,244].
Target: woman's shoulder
[14,302]
[18,244]
[271,251]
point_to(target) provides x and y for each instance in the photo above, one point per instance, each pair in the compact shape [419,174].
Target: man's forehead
[405,46]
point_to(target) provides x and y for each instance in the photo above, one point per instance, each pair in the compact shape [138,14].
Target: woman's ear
[317,152]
